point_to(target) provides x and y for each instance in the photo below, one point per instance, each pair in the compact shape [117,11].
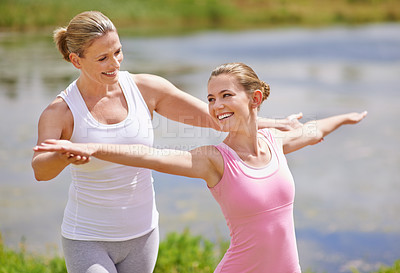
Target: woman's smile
[224,116]
[111,74]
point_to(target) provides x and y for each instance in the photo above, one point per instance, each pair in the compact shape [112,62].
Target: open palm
[64,146]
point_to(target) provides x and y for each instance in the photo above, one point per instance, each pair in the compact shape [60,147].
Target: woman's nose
[116,61]
[218,104]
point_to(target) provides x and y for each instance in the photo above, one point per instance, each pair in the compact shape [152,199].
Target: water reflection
[347,188]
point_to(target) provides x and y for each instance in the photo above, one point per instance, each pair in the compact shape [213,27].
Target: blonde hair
[245,76]
[81,32]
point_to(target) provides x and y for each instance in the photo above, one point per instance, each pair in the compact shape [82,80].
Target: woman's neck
[250,147]
[244,140]
[92,88]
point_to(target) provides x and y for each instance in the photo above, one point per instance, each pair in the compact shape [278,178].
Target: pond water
[347,188]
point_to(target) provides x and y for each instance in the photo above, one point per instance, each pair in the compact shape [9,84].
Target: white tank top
[107,201]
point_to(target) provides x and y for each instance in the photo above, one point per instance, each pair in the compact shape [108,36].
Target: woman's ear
[75,60]
[256,99]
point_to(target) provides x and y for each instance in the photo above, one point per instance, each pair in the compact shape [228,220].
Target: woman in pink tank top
[247,174]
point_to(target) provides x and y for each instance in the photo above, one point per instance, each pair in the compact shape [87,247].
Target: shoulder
[161,95]
[57,115]
[209,151]
[269,134]
[145,83]
[156,85]
[150,81]
[57,107]
[265,132]
[214,163]
[275,136]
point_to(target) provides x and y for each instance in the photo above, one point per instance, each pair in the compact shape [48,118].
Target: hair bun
[60,38]
[265,90]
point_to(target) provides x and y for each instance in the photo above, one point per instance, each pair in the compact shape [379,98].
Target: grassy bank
[173,16]
[179,253]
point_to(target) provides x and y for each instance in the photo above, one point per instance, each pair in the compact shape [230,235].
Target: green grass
[387,269]
[178,253]
[22,262]
[172,16]
[187,253]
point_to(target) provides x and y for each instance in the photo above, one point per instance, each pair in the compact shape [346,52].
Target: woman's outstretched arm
[197,163]
[314,131]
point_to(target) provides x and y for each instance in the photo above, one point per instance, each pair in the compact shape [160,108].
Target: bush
[187,253]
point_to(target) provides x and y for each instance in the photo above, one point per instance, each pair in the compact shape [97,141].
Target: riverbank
[320,71]
[178,253]
[156,17]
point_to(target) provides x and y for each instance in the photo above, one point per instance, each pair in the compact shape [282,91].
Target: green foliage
[392,269]
[21,261]
[178,253]
[187,253]
[166,16]
[387,269]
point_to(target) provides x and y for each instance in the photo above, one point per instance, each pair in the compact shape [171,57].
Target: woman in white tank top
[109,202]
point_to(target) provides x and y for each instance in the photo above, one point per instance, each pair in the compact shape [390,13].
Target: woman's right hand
[74,153]
[75,159]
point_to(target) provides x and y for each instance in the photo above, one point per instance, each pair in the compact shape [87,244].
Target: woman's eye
[210,100]
[102,59]
[226,95]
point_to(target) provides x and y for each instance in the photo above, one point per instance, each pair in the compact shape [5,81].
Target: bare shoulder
[56,121]
[153,88]
[208,151]
[58,108]
[142,79]
[279,135]
[215,163]
[147,81]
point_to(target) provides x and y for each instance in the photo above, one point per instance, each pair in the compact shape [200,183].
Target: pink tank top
[258,207]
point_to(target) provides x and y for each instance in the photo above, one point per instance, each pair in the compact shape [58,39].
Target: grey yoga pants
[137,255]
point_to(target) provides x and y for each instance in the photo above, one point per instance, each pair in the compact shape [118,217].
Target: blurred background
[320,57]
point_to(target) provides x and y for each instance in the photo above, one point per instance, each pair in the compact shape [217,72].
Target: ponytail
[60,38]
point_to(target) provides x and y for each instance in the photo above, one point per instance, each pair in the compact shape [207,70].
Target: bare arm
[56,123]
[197,163]
[169,101]
[314,132]
[289,123]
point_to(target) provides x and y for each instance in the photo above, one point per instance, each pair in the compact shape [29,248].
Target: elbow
[317,138]
[40,178]
[39,175]
[312,133]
